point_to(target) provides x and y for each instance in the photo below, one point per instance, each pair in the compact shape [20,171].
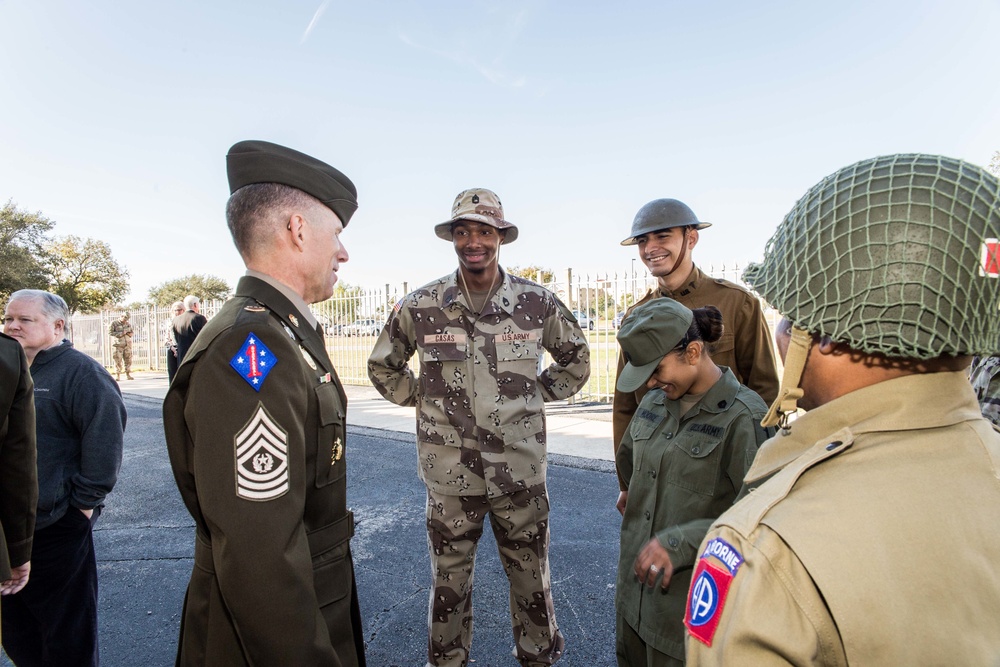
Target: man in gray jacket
[80,426]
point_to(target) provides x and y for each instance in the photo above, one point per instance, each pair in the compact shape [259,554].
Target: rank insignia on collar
[294,320]
[253,362]
[291,334]
[338,451]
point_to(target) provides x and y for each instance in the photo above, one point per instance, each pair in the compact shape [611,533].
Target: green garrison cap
[648,333]
[894,255]
[251,162]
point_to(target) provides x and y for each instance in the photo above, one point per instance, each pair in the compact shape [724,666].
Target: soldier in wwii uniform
[255,428]
[121,331]
[666,232]
[480,333]
[869,535]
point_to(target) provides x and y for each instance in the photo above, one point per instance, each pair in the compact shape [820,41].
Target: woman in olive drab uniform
[683,457]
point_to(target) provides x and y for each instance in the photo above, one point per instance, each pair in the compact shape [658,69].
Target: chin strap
[795,361]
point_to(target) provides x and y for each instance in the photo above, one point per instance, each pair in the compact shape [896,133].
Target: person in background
[187,325]
[80,426]
[985,378]
[121,331]
[176,310]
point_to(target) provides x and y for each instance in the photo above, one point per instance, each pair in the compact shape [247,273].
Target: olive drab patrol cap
[663,214]
[250,162]
[480,205]
[896,255]
[647,335]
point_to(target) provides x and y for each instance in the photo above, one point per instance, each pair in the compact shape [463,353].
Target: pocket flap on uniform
[700,446]
[522,429]
[443,347]
[330,410]
[332,580]
[725,344]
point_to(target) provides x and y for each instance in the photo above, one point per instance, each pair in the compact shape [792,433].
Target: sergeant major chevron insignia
[261,458]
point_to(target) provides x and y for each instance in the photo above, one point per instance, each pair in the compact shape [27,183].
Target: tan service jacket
[480,395]
[745,348]
[873,540]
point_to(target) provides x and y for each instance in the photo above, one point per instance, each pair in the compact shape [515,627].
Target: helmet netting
[888,256]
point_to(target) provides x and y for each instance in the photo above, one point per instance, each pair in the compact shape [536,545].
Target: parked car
[363,328]
[584,320]
[617,321]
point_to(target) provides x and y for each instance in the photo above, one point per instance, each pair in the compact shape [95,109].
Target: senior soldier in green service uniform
[870,534]
[255,427]
[666,232]
[480,333]
[121,331]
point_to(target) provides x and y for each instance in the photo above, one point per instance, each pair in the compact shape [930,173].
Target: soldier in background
[121,331]
[480,334]
[869,535]
[985,378]
[666,232]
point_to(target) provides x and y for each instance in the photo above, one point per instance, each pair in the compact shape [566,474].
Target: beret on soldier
[250,162]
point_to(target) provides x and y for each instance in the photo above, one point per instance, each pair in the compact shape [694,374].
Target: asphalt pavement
[144,540]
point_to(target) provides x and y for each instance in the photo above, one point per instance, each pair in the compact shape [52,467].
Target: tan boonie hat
[647,335]
[479,205]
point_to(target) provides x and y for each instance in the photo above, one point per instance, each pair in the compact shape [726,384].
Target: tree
[205,287]
[84,273]
[995,163]
[22,236]
[531,273]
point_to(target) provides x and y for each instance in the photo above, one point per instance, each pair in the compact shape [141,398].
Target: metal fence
[353,320]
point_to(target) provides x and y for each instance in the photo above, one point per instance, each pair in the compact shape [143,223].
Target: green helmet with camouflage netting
[895,255]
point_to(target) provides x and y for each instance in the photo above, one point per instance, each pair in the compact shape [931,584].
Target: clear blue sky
[116,116]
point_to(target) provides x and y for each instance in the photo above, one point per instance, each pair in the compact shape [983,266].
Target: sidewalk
[582,430]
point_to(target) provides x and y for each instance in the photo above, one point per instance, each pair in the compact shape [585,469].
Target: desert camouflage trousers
[520,523]
[123,353]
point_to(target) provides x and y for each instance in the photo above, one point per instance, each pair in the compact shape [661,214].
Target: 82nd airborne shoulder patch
[253,361]
[709,588]
[261,458]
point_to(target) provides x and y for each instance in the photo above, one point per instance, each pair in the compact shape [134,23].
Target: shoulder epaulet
[749,512]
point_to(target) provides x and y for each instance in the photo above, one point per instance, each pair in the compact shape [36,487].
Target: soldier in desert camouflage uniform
[985,377]
[480,333]
[121,331]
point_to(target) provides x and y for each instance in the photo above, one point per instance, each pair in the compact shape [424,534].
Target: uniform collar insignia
[294,320]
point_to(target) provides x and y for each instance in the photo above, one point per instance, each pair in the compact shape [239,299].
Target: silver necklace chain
[468,292]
